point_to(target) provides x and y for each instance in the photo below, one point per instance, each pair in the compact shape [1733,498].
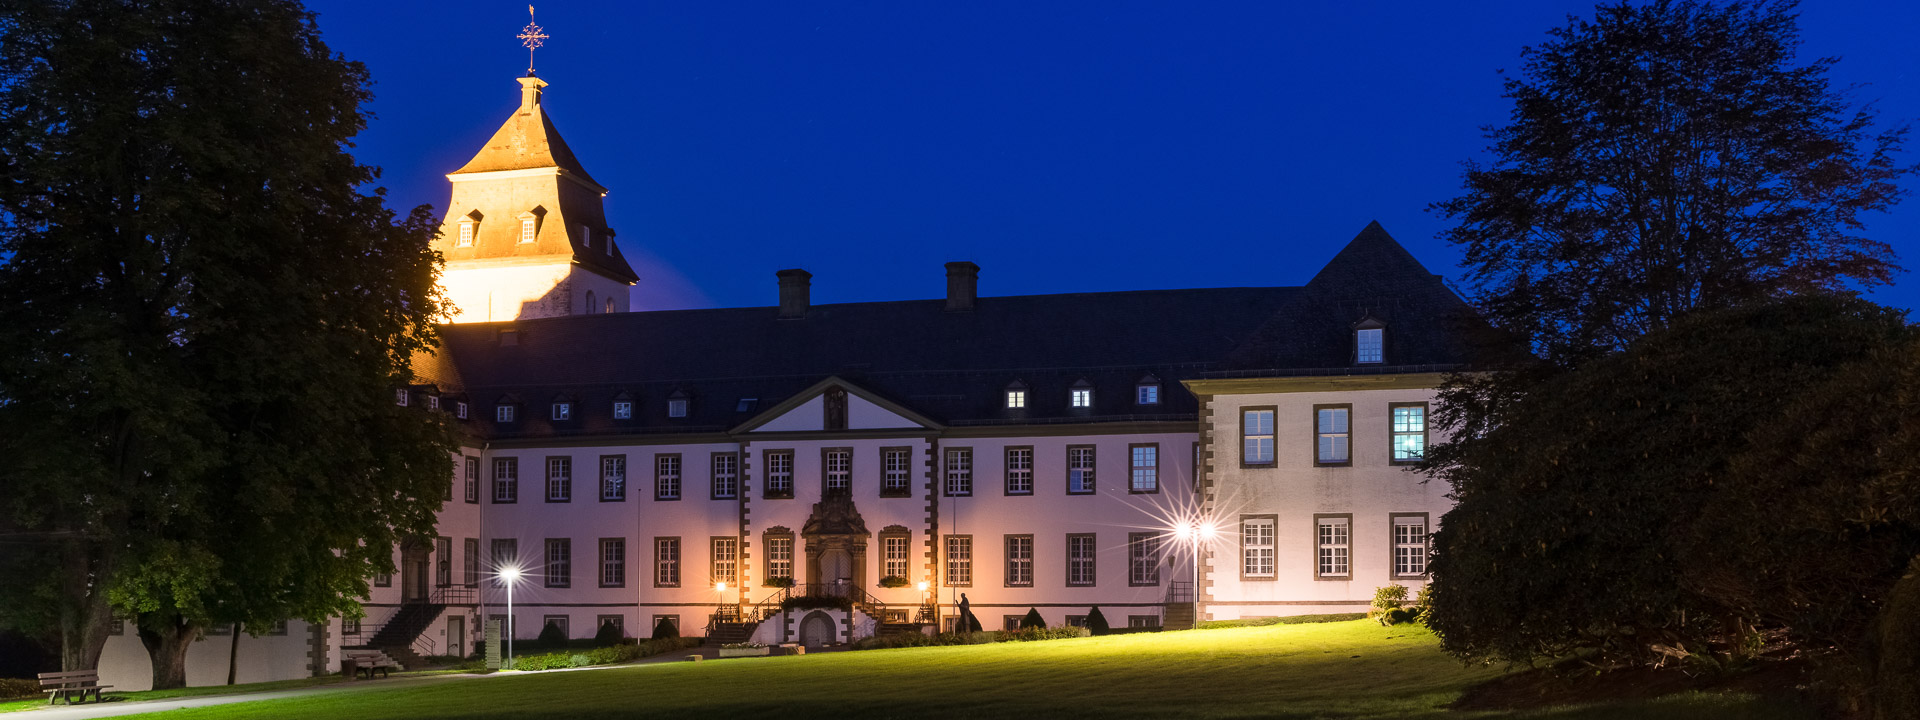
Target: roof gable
[806,411]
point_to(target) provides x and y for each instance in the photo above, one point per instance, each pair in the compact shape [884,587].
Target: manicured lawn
[1352,669]
[40,702]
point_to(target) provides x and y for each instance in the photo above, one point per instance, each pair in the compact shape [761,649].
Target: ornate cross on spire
[531,37]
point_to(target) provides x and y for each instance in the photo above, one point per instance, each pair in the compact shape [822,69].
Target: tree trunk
[84,614]
[233,654]
[167,648]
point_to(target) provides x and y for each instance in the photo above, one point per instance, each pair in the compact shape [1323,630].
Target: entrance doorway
[457,635]
[817,630]
[414,564]
[836,571]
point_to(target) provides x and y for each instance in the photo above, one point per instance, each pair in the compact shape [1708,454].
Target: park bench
[368,661]
[72,684]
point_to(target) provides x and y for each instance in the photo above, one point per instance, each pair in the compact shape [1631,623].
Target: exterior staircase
[1179,613]
[730,632]
[399,636]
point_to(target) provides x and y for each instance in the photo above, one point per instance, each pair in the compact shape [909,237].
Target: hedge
[602,656]
[18,687]
[882,642]
[1289,620]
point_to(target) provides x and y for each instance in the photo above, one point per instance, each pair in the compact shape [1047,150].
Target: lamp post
[922,585]
[511,574]
[1195,532]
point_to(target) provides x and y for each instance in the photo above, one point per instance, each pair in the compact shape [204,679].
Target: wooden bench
[369,661]
[72,684]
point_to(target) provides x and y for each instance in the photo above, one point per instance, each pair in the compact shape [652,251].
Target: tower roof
[527,140]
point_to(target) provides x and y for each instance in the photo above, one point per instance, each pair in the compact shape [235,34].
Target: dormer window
[526,230]
[400,398]
[747,404]
[466,234]
[590,302]
[460,410]
[562,410]
[433,402]
[503,413]
[1016,396]
[1080,395]
[1369,342]
[677,404]
[586,237]
[623,409]
[1147,391]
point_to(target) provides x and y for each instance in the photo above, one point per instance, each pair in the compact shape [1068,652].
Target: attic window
[1016,399]
[433,402]
[586,237]
[622,409]
[400,398]
[677,407]
[526,230]
[466,234]
[460,410]
[1080,395]
[1147,391]
[1367,345]
[563,411]
[503,413]
[746,404]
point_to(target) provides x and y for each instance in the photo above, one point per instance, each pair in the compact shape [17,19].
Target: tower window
[466,234]
[526,230]
[590,302]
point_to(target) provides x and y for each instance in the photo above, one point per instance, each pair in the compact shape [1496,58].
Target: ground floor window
[1143,621]
[558,621]
[619,623]
[959,560]
[1256,547]
[1076,621]
[1409,545]
[1333,540]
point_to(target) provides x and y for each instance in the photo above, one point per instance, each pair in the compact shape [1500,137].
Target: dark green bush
[664,630]
[609,634]
[893,581]
[896,640]
[1043,633]
[1032,620]
[552,636]
[1096,622]
[16,687]
[617,653]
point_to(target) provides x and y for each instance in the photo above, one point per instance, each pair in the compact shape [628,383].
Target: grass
[33,703]
[1351,669]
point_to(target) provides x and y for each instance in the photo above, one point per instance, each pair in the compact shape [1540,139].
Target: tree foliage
[1576,514]
[206,320]
[1667,157]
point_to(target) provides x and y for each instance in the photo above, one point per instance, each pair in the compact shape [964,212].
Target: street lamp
[1195,533]
[511,574]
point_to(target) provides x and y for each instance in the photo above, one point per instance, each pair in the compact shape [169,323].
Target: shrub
[552,636]
[896,640]
[893,581]
[882,642]
[609,634]
[815,602]
[617,653]
[780,582]
[1287,620]
[1027,634]
[16,687]
[1423,604]
[1096,622]
[1033,620]
[664,630]
[1385,601]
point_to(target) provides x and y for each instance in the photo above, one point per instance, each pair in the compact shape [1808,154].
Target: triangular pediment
[812,410]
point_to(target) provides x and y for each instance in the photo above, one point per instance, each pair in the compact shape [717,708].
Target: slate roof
[953,367]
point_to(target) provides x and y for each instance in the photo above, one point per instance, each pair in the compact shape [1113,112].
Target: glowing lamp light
[922,586]
[720,587]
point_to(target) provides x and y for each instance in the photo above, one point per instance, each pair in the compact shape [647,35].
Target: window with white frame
[506,480]
[1256,547]
[473,479]
[559,479]
[779,557]
[896,468]
[1409,545]
[780,474]
[1332,539]
[1368,345]
[726,559]
[1080,397]
[433,402]
[959,560]
[726,476]
[470,561]
[1143,559]
[400,397]
[526,230]
[1146,394]
[836,471]
[1019,560]
[1409,432]
[559,568]
[894,550]
[1256,436]
[443,561]
[613,478]
[666,562]
[1080,556]
[563,411]
[503,413]
[1080,469]
[622,409]
[677,407]
[1145,475]
[466,234]
[460,410]
[666,477]
[959,472]
[613,562]
[1019,471]
[1333,431]
[1016,399]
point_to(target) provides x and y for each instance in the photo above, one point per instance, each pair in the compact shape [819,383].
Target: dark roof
[952,367]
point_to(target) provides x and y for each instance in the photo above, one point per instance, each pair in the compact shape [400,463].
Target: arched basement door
[816,630]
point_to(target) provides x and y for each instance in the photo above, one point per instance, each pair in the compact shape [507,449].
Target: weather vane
[531,37]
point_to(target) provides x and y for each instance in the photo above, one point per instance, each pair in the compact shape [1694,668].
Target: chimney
[793,292]
[963,284]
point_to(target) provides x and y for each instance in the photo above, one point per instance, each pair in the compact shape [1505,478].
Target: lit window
[1332,542]
[1256,547]
[622,410]
[1409,545]
[1367,345]
[896,555]
[466,234]
[1147,395]
[1019,471]
[677,407]
[613,478]
[1020,560]
[433,402]
[780,474]
[725,556]
[526,230]
[609,307]
[1016,399]
[562,411]
[1256,437]
[959,560]
[1335,438]
[400,398]
[1146,469]
[1080,397]
[503,413]
[779,558]
[1409,433]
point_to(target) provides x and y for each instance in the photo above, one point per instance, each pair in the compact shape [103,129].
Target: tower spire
[531,37]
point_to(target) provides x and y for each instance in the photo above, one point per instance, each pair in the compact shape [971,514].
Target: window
[893,548]
[1079,469]
[586,237]
[746,404]
[726,559]
[557,621]
[563,411]
[506,480]
[1016,399]
[433,402]
[623,409]
[400,397]
[613,478]
[609,301]
[559,562]
[1256,437]
[559,479]
[896,465]
[1145,475]
[1256,546]
[1409,545]
[613,562]
[1019,561]
[473,479]
[725,476]
[1367,345]
[836,471]
[1080,551]
[779,474]
[279,627]
[1076,621]
[619,623]
[383,579]
[1080,397]
[959,472]
[442,561]
[1020,471]
[470,552]
[526,230]
[1143,621]
[1146,394]
[666,477]
[506,554]
[348,626]
[466,235]
[960,560]
[1011,623]
[1334,446]
[677,407]
[503,413]
[1409,432]
[1332,541]
[779,557]
[1143,559]
[666,562]
[460,410]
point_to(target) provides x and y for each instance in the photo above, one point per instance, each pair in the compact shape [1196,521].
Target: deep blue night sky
[1062,146]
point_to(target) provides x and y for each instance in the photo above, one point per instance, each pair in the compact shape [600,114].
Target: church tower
[526,232]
